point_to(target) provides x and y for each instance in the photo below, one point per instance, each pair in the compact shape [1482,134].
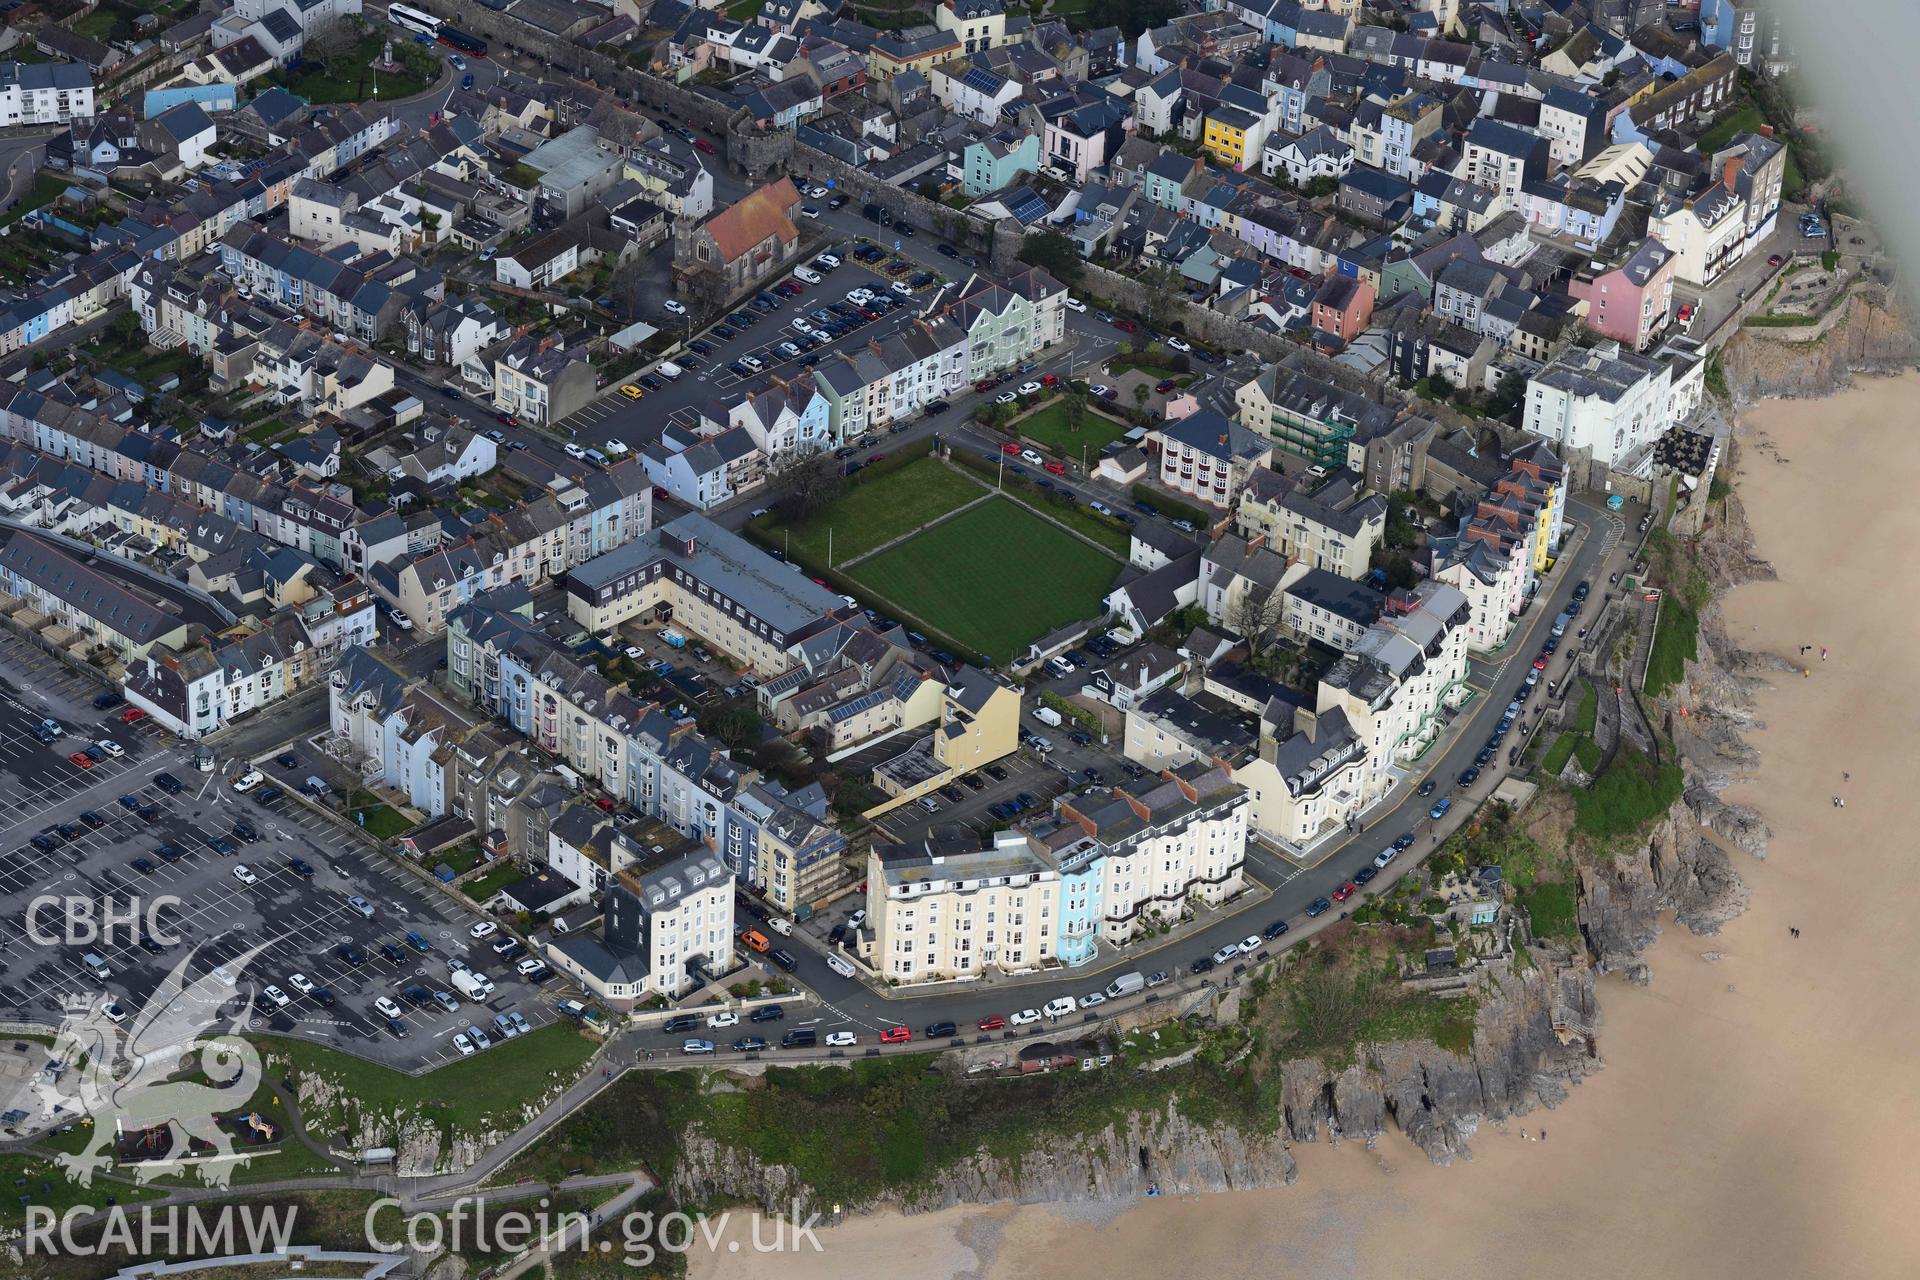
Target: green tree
[126,326]
[1055,254]
[1075,404]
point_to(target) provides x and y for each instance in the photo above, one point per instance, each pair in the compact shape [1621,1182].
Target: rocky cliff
[1872,337]
[1682,864]
[1532,1040]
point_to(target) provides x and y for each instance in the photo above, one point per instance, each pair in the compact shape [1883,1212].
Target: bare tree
[1161,288]
[808,481]
[1254,615]
[331,39]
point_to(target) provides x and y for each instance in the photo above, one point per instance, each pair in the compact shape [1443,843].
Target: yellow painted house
[1233,136]
[979,723]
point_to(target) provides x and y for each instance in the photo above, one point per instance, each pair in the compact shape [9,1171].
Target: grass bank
[488,1092]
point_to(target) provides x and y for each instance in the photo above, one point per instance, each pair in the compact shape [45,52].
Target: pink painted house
[1631,300]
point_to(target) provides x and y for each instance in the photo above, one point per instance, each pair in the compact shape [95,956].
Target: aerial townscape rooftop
[1129,583]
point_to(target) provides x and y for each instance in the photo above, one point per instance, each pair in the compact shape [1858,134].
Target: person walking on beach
[1823,653]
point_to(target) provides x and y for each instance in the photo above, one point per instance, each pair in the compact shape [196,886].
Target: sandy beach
[1759,1107]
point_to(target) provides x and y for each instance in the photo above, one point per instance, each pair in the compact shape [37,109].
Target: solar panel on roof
[982,79]
[1031,209]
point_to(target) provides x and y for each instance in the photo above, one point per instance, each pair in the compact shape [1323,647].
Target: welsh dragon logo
[153,1082]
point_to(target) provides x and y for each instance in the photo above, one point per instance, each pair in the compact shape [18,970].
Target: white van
[670,371]
[1125,985]
[839,965]
[781,925]
[1059,1008]
[1047,716]
[96,966]
[806,275]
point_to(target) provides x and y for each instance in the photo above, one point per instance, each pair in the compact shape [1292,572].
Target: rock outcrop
[1532,1039]
[1873,337]
[1180,1156]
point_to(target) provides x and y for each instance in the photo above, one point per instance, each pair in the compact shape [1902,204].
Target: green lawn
[1554,910]
[46,189]
[1588,711]
[890,505]
[1048,426]
[350,77]
[487,1092]
[1559,753]
[382,822]
[994,578]
[1675,643]
[483,887]
[1631,793]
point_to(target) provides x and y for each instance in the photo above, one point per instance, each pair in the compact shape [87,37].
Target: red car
[1010,447]
[1049,379]
[1775,260]
[132,715]
[1165,385]
[992,1022]
[1540,661]
[986,384]
[703,146]
[895,1035]
[1125,326]
[1345,891]
[1058,468]
[81,759]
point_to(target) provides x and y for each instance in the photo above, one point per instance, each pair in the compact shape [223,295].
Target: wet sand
[1759,1112]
